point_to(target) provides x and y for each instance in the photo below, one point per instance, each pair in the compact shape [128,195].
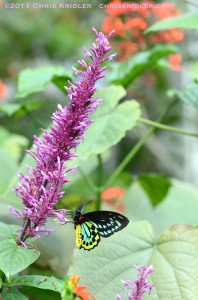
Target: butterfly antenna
[87,203]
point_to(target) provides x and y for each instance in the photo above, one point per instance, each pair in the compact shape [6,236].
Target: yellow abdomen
[78,236]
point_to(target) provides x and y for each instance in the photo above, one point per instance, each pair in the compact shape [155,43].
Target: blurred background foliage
[152,68]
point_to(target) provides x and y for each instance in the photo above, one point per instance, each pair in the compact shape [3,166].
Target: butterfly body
[93,225]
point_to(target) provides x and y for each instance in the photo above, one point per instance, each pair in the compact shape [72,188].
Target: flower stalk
[41,189]
[136,288]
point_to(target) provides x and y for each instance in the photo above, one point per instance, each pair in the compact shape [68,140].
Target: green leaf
[111,121]
[156,186]
[188,21]
[128,71]
[61,82]
[12,294]
[188,95]
[8,231]
[14,258]
[10,108]
[10,152]
[7,170]
[13,145]
[20,109]
[174,257]
[38,281]
[36,80]
[179,206]
[194,71]
[38,294]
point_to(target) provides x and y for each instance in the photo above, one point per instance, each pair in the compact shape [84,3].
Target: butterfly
[90,227]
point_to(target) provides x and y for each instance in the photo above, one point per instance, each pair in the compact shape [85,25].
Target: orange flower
[116,24]
[127,49]
[135,23]
[175,60]
[114,197]
[177,35]
[130,22]
[79,290]
[3,89]
[119,26]
[107,25]
[162,13]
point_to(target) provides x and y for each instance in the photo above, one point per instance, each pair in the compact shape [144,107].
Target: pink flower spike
[41,189]
[138,287]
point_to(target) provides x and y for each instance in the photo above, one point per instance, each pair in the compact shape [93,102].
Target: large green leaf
[174,257]
[189,21]
[38,281]
[14,258]
[10,151]
[12,294]
[155,185]
[111,121]
[14,145]
[8,231]
[20,109]
[7,170]
[128,71]
[10,108]
[180,205]
[36,80]
[188,95]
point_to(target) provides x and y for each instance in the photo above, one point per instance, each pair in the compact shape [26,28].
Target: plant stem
[88,181]
[138,146]
[98,199]
[129,157]
[23,235]
[95,189]
[166,127]
[100,170]
[100,181]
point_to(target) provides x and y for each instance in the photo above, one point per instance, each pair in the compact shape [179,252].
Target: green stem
[23,235]
[98,199]
[100,170]
[137,147]
[100,181]
[166,127]
[129,157]
[88,181]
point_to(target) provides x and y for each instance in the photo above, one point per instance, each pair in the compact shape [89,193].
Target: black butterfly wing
[107,222]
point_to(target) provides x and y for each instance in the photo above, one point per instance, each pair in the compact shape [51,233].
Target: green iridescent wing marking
[90,235]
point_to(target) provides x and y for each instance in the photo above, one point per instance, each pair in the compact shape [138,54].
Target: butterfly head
[78,218]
